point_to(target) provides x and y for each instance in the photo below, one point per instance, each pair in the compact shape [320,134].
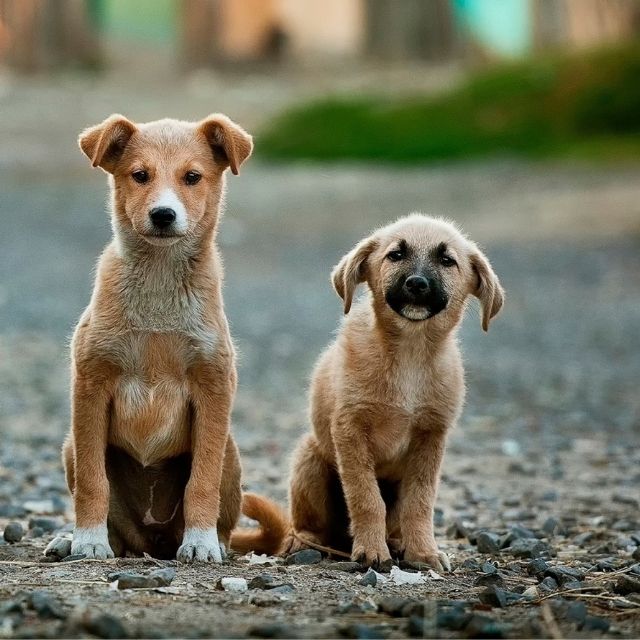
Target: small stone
[46,605]
[234,585]
[489,567]
[531,593]
[369,579]
[306,556]
[563,575]
[394,605]
[537,567]
[488,542]
[283,589]
[152,580]
[347,567]
[480,626]
[624,499]
[74,557]
[104,625]
[576,612]
[529,548]
[582,538]
[553,527]
[262,581]
[48,525]
[13,532]
[59,548]
[625,585]
[471,564]
[357,604]
[636,553]
[594,623]
[518,532]
[549,496]
[488,580]
[452,618]
[36,532]
[495,597]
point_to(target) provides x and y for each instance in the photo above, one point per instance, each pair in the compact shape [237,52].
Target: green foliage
[574,105]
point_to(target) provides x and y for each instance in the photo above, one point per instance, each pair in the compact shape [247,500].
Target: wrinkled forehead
[425,235]
[169,142]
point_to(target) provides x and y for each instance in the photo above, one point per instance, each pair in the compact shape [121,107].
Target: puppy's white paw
[201,545]
[92,542]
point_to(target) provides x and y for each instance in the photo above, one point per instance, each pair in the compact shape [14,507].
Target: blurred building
[40,34]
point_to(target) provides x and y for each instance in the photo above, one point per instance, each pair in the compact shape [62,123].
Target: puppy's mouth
[161,239]
[416,313]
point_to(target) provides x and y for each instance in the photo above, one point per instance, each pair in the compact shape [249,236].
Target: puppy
[386,392]
[149,458]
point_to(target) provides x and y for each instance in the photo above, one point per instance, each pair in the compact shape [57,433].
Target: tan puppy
[149,458]
[386,392]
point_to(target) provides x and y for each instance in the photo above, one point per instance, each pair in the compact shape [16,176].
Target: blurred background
[518,119]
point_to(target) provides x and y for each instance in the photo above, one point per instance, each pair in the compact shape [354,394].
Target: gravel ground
[539,502]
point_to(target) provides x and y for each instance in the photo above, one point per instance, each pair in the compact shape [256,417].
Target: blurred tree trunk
[198,32]
[38,35]
[421,29]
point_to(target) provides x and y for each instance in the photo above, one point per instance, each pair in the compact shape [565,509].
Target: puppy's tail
[274,526]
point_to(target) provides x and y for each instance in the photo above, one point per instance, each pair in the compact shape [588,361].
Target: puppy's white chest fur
[410,379]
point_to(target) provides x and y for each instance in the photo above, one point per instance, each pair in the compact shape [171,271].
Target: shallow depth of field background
[520,120]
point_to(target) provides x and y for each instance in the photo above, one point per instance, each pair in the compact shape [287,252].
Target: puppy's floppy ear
[352,270]
[486,287]
[229,142]
[105,143]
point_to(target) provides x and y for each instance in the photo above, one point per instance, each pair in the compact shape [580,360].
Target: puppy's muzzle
[162,217]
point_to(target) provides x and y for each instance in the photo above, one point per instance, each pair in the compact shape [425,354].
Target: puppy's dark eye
[396,256]
[140,176]
[192,177]
[447,261]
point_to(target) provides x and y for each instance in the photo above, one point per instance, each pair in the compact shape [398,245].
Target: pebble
[74,557]
[59,547]
[13,532]
[283,589]
[549,584]
[36,532]
[489,567]
[636,553]
[48,525]
[498,597]
[233,585]
[553,527]
[488,542]
[457,530]
[481,626]
[488,580]
[46,605]
[563,575]
[529,548]
[537,567]
[452,618]
[625,585]
[582,538]
[104,625]
[154,579]
[262,581]
[395,606]
[594,623]
[306,556]
[369,579]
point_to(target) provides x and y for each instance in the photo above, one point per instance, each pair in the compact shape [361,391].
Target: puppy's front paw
[373,554]
[437,560]
[91,542]
[201,545]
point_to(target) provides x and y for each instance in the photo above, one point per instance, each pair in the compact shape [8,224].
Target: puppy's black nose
[162,217]
[416,285]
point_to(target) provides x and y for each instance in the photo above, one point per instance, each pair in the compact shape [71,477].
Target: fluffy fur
[387,391]
[149,458]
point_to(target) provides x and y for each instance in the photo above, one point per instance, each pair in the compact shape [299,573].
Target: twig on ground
[320,547]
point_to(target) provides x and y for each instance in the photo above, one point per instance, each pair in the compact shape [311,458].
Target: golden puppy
[385,393]
[149,458]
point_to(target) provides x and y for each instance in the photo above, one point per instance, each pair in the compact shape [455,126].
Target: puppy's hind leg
[309,497]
